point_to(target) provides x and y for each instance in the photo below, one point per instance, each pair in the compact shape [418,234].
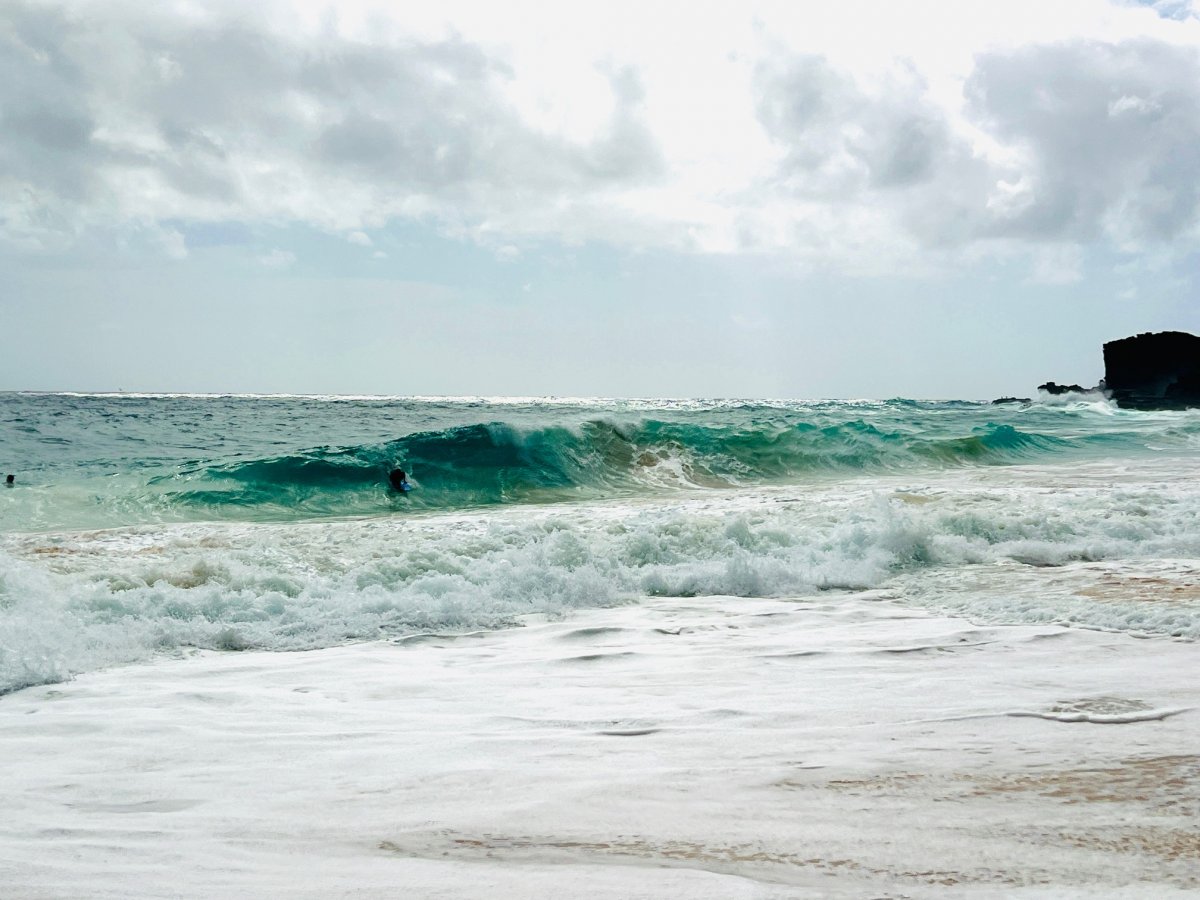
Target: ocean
[606,639]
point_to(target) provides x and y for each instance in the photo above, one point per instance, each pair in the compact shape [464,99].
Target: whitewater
[603,648]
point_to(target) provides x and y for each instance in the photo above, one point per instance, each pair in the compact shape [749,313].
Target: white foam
[716,748]
[1013,544]
[1091,400]
[1152,715]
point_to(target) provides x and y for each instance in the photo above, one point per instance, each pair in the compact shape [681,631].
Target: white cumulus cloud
[771,127]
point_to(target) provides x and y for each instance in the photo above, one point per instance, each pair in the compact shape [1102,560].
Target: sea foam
[980,542]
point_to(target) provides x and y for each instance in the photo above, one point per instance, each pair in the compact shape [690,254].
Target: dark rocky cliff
[1154,371]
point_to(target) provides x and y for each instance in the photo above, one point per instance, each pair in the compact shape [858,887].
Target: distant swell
[478,465]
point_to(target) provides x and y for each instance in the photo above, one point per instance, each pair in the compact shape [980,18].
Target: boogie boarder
[399,481]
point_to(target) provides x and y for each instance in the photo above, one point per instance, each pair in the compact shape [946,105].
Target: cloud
[775,129]
[838,136]
[119,112]
[876,176]
[1109,136]
[1079,142]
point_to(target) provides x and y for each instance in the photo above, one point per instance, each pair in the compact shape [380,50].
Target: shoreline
[715,747]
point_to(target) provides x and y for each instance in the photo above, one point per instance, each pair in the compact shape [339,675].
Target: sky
[952,199]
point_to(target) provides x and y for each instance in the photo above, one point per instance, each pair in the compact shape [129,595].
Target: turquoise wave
[98,462]
[498,463]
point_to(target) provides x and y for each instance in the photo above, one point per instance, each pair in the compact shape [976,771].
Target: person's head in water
[10,479]
[398,479]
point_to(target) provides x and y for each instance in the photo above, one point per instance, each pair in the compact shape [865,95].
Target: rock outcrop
[1051,387]
[1153,371]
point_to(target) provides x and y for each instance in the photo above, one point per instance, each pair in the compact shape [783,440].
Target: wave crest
[498,463]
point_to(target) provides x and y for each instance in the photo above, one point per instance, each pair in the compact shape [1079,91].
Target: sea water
[142,525]
[604,648]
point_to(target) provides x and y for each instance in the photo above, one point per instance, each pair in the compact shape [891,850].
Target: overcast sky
[782,199]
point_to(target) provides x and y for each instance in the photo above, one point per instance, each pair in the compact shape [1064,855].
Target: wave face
[110,461]
[496,463]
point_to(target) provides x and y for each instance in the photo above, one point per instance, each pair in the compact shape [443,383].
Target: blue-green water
[105,461]
[143,525]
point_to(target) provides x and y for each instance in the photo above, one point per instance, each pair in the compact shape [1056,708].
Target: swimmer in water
[399,481]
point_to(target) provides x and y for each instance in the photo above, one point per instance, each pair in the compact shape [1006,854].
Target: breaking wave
[497,463]
[75,601]
[140,526]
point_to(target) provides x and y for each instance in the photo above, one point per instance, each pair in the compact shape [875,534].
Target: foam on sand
[714,747]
